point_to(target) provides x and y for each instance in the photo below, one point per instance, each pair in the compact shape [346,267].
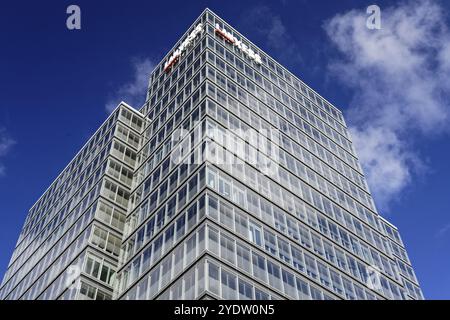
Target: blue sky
[56,86]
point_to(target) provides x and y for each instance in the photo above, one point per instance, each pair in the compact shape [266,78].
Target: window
[323,274]
[292,228]
[226,215]
[169,236]
[304,236]
[297,259]
[345,239]
[182,197]
[283,246]
[160,218]
[213,241]
[190,249]
[329,252]
[255,233]
[336,281]
[317,244]
[259,267]
[261,295]
[274,275]
[323,226]
[241,224]
[150,228]
[192,186]
[171,207]
[213,207]
[349,293]
[245,290]
[280,224]
[227,249]
[303,289]
[311,268]
[316,294]
[189,285]
[224,187]
[228,285]
[270,243]
[359,292]
[341,261]
[191,216]
[243,257]
[334,232]
[180,226]
[312,218]
[289,284]
[353,267]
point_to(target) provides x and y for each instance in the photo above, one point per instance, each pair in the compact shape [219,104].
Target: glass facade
[235,180]
[70,243]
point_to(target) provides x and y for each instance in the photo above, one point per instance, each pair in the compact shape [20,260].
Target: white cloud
[442,231]
[401,83]
[6,143]
[134,91]
[272,28]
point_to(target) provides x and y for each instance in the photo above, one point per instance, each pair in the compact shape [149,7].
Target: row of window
[276,275]
[297,164]
[65,192]
[188,287]
[267,115]
[131,118]
[100,269]
[39,250]
[89,292]
[163,271]
[116,193]
[183,105]
[159,221]
[60,284]
[106,241]
[158,77]
[265,92]
[120,172]
[284,249]
[127,135]
[227,284]
[41,277]
[295,134]
[151,172]
[91,148]
[111,215]
[163,186]
[272,215]
[123,153]
[282,78]
[159,90]
[193,284]
[291,197]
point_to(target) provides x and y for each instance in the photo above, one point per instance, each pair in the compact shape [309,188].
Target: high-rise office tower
[235,180]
